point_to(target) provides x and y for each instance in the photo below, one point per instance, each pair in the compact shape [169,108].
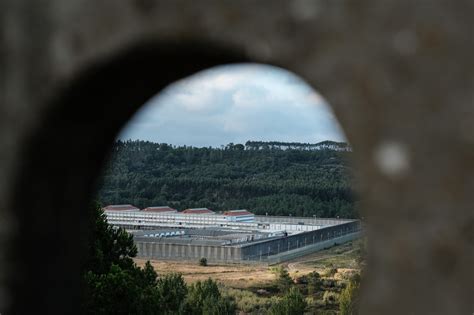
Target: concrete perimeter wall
[264,251]
[292,254]
[155,250]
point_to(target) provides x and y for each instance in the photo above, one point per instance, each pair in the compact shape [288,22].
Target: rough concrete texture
[398,73]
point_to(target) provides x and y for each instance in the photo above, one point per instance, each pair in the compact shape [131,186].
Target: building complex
[229,236]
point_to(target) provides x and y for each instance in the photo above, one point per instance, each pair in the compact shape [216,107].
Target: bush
[205,298]
[218,306]
[314,282]
[283,281]
[349,298]
[302,279]
[203,261]
[330,272]
[248,301]
[330,298]
[347,275]
[172,290]
[292,303]
[328,283]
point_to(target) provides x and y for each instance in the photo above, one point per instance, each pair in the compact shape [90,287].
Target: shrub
[203,261]
[292,303]
[247,301]
[302,279]
[218,306]
[205,298]
[283,281]
[328,283]
[330,298]
[172,291]
[330,272]
[263,292]
[349,298]
[314,282]
[347,275]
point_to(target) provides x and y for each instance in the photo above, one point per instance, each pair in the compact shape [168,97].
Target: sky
[235,103]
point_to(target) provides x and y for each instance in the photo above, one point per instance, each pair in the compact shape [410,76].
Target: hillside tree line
[299,180]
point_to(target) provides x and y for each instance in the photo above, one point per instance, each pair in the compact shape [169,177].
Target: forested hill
[265,177]
[262,145]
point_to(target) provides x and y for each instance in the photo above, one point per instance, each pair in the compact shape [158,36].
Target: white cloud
[235,104]
[194,101]
[246,100]
[226,81]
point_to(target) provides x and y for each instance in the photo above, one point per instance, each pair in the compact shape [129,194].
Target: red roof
[159,209]
[237,212]
[121,208]
[198,211]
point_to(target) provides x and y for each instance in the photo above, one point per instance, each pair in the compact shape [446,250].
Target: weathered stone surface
[398,73]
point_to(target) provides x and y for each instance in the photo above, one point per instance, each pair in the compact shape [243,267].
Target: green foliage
[218,306]
[149,275]
[283,281]
[314,282]
[298,181]
[248,302]
[172,291]
[112,283]
[200,291]
[205,298]
[330,297]
[108,245]
[272,145]
[330,272]
[203,261]
[118,291]
[292,303]
[349,298]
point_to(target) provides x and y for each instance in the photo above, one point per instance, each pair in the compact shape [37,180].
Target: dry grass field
[242,276]
[232,275]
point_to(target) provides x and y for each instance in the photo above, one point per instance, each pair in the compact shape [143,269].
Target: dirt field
[342,257]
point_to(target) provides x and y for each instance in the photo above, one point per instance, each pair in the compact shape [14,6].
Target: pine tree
[284,281]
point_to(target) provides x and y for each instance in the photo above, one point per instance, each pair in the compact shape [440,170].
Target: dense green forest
[265,177]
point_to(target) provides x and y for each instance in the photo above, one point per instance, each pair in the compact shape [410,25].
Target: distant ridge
[249,145]
[323,145]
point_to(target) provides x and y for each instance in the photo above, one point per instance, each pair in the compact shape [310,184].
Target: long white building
[200,218]
[121,215]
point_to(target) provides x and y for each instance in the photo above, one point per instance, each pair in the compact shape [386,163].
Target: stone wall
[398,73]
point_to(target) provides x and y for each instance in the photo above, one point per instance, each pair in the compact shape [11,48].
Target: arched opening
[248,137]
